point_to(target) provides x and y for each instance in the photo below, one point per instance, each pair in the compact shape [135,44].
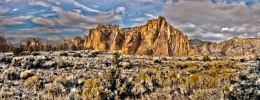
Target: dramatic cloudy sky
[212,20]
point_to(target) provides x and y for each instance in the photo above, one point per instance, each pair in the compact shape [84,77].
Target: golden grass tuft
[91,90]
[31,82]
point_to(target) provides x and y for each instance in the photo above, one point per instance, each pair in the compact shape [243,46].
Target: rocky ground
[77,75]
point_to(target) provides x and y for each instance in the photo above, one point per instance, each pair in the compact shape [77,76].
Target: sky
[55,20]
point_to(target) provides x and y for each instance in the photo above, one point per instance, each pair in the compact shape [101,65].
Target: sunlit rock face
[232,47]
[4,45]
[157,37]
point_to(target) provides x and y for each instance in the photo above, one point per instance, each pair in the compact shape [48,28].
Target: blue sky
[212,20]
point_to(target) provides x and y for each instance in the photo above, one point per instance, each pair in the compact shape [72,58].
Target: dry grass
[31,82]
[91,90]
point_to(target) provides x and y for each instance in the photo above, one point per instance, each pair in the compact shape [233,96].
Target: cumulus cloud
[214,18]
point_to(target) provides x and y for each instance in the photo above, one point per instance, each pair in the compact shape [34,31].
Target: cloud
[70,18]
[229,19]
[43,21]
[48,30]
[3,10]
[77,4]
[44,3]
[6,20]
[120,10]
[14,10]
[150,15]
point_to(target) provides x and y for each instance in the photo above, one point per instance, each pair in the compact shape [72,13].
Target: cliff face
[4,45]
[157,37]
[232,47]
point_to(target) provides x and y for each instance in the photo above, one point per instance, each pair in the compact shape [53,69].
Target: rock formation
[232,47]
[4,45]
[75,43]
[157,37]
[33,44]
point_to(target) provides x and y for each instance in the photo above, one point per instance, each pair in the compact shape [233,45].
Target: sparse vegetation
[121,77]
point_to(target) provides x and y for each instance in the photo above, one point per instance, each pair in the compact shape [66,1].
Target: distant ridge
[233,47]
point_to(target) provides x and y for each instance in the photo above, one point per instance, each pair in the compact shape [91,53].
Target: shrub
[91,90]
[11,73]
[63,64]
[31,82]
[115,59]
[189,59]
[126,65]
[211,82]
[206,58]
[242,60]
[157,60]
[64,54]
[191,64]
[54,89]
[193,80]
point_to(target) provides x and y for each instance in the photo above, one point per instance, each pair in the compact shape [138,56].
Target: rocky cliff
[157,37]
[232,47]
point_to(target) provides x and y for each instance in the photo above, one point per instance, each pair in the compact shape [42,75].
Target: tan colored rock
[157,37]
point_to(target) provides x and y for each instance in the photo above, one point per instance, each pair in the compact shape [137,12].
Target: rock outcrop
[4,45]
[232,47]
[75,43]
[33,44]
[157,37]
